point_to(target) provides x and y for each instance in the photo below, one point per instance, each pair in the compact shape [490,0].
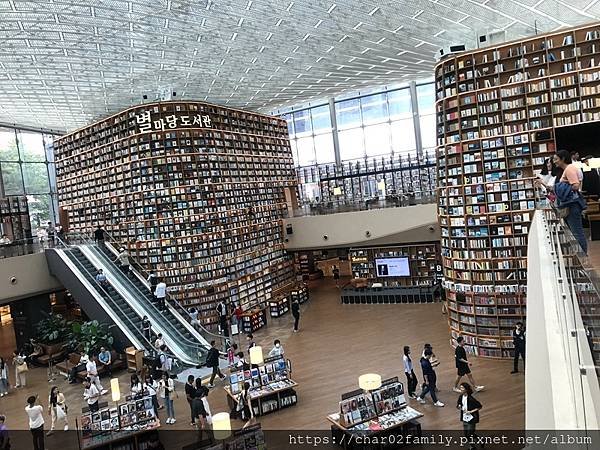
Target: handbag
[60,413]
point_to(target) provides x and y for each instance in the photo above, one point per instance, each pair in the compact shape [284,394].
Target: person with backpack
[212,361]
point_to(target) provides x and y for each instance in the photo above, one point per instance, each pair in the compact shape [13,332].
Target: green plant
[53,329]
[90,336]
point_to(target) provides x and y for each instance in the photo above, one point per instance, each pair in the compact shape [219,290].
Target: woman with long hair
[136,387]
[469,408]
[410,374]
[3,377]
[57,409]
[199,412]
[245,404]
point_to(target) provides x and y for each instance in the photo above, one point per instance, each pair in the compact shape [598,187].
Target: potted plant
[53,332]
[90,336]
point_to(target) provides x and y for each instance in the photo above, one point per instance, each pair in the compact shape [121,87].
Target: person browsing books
[469,412]
[519,346]
[91,394]
[277,349]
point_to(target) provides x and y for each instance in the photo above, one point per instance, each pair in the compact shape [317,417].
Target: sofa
[54,353]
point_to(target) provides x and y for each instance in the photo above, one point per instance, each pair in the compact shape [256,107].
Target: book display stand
[375,413]
[497,113]
[271,389]
[194,191]
[124,427]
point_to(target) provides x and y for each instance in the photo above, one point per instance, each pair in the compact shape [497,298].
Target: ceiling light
[374,10]
[262,49]
[279,22]
[269,36]
[318,23]
[344,37]
[233,36]
[306,36]
[380,40]
[240,22]
[331,8]
[357,26]
[249,5]
[329,49]
[203,22]
[289,6]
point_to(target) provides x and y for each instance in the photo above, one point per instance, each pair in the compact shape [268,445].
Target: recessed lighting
[329,49]
[331,8]
[269,36]
[289,6]
[344,37]
[279,22]
[262,49]
[357,26]
[249,5]
[374,10]
[233,36]
[240,22]
[306,36]
[318,23]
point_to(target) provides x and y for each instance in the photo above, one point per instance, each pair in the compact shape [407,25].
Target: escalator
[105,304]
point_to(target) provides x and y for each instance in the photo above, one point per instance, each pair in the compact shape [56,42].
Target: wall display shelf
[420,262]
[497,111]
[194,191]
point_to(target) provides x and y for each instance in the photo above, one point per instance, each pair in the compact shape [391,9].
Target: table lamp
[221,425]
[256,355]
[369,381]
[115,390]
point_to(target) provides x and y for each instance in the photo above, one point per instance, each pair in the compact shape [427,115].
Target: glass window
[302,124]
[40,209]
[324,148]
[426,98]
[374,109]
[35,176]
[321,119]
[400,106]
[11,177]
[352,144]
[377,140]
[8,145]
[348,114]
[290,123]
[31,146]
[403,136]
[306,151]
[428,130]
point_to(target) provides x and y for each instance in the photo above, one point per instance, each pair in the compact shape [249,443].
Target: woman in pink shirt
[571,175]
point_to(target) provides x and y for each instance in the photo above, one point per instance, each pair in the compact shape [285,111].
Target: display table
[269,398]
[254,320]
[381,294]
[400,422]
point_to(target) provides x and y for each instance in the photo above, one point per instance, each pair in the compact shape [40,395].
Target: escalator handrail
[184,315]
[123,316]
[192,347]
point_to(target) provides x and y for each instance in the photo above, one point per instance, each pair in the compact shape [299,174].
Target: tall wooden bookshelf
[423,261]
[497,112]
[193,190]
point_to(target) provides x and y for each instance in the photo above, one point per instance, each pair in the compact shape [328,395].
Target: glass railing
[563,320]
[23,247]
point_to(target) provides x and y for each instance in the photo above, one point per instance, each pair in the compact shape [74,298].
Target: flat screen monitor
[392,267]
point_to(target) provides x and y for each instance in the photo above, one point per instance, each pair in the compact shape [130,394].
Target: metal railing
[149,348]
[344,205]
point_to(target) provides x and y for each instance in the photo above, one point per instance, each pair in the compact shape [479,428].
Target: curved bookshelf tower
[497,112]
[193,190]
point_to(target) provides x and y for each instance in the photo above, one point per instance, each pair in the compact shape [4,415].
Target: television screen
[392,267]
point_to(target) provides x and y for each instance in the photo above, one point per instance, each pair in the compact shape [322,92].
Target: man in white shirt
[36,422]
[159,342]
[194,317]
[92,374]
[160,293]
[91,395]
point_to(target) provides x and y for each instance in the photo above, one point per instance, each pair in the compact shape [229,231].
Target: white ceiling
[66,62]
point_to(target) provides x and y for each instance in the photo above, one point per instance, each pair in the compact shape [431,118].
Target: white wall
[32,277]
[386,226]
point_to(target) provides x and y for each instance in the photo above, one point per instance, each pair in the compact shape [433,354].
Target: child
[231,351]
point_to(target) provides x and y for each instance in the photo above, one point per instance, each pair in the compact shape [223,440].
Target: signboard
[145,122]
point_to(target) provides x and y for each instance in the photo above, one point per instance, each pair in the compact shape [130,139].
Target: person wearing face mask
[519,344]
[277,349]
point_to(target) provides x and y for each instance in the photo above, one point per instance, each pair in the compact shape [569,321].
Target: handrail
[176,305]
[123,316]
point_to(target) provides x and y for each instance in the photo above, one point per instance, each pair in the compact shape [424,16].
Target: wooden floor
[335,345]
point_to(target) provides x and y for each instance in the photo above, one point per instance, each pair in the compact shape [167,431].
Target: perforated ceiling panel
[66,62]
